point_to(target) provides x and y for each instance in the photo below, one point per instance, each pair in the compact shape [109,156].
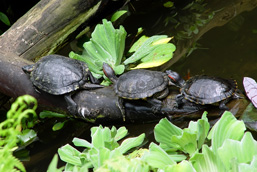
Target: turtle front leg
[156,104]
[72,106]
[223,106]
[119,103]
[92,78]
[179,100]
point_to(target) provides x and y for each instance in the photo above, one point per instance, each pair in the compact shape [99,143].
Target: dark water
[228,51]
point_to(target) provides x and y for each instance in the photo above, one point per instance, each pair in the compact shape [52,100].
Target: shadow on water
[228,51]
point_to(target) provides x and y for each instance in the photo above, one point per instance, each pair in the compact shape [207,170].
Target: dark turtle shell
[58,75]
[208,90]
[140,84]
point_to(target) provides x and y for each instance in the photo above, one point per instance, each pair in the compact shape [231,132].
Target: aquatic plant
[14,131]
[107,45]
[226,147]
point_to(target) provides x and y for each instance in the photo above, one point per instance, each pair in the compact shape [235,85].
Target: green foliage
[4,19]
[14,130]
[117,15]
[107,45]
[230,149]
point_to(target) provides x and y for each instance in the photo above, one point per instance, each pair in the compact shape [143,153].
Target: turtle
[204,90]
[139,84]
[60,75]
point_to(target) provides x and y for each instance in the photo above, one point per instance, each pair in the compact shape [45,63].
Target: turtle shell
[208,90]
[58,75]
[140,84]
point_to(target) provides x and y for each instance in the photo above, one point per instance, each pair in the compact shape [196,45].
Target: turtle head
[175,78]
[109,72]
[28,68]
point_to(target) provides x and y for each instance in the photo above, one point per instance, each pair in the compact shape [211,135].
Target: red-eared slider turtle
[139,84]
[205,89]
[58,75]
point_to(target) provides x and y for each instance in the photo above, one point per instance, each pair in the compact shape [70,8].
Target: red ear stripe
[172,78]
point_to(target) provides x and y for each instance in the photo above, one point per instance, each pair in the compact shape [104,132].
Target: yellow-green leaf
[162,41]
[160,55]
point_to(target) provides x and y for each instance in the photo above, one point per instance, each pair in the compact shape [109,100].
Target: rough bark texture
[47,26]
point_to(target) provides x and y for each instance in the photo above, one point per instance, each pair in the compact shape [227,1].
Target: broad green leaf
[246,167]
[187,142]
[130,143]
[117,15]
[163,132]
[243,151]
[160,55]
[58,126]
[138,44]
[168,4]
[69,154]
[119,69]
[27,136]
[162,41]
[81,143]
[121,132]
[203,128]
[99,157]
[4,19]
[144,49]
[157,157]
[49,114]
[207,161]
[184,166]
[106,45]
[228,127]
[53,165]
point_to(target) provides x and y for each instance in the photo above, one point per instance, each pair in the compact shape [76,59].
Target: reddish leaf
[250,86]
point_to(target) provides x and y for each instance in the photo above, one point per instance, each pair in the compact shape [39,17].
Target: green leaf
[27,136]
[163,132]
[138,44]
[117,15]
[168,4]
[53,165]
[106,45]
[184,166]
[81,143]
[207,161]
[228,127]
[245,167]
[130,143]
[69,155]
[4,19]
[160,55]
[121,132]
[58,126]
[243,151]
[187,142]
[49,114]
[157,157]
[145,47]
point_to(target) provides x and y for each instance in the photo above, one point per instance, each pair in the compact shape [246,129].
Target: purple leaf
[250,86]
